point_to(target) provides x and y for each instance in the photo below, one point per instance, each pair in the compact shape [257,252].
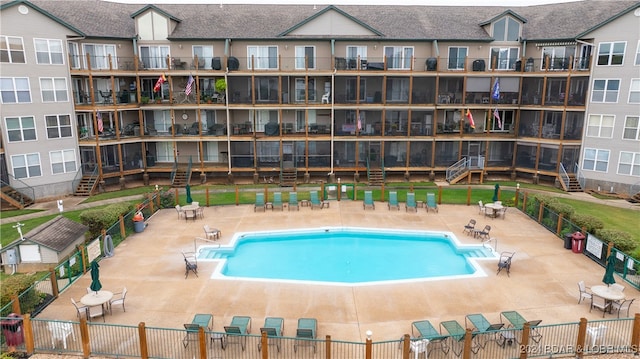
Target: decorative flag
[470,117]
[100,124]
[495,94]
[360,122]
[496,115]
[189,88]
[159,83]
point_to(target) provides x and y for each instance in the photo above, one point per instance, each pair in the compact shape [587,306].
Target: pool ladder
[487,244]
[195,245]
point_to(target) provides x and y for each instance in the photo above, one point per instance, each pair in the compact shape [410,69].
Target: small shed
[44,247]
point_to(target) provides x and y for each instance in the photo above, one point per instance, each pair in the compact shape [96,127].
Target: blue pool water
[346,255]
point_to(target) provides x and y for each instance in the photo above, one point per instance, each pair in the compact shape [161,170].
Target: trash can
[12,330]
[577,242]
[138,222]
[567,240]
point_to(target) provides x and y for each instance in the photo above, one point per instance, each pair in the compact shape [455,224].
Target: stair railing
[579,176]
[80,175]
[26,192]
[457,169]
[174,169]
[564,177]
[189,167]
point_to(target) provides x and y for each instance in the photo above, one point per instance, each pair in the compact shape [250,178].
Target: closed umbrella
[189,199]
[495,192]
[609,269]
[95,277]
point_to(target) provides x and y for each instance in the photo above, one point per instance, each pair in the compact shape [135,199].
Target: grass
[120,193]
[19,212]
[613,217]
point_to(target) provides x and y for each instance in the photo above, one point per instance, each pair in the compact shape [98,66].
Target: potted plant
[144,99]
[221,89]
[158,99]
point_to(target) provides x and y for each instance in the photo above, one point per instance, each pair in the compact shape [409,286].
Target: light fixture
[286,47]
[375,47]
[180,45]
[369,334]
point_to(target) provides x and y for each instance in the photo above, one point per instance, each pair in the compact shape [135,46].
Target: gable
[331,22]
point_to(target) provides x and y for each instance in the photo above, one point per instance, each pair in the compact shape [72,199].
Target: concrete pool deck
[542,285]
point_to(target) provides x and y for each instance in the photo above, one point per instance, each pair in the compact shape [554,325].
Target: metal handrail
[564,177]
[579,176]
[25,191]
[457,168]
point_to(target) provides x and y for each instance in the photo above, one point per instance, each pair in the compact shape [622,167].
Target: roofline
[153,7]
[622,13]
[502,14]
[327,9]
[43,12]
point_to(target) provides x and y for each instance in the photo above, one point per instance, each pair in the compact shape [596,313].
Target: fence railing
[456,169]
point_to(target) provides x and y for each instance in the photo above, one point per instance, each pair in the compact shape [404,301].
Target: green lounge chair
[457,334]
[425,330]
[393,201]
[517,321]
[411,202]
[204,321]
[368,200]
[293,201]
[273,327]
[306,333]
[277,201]
[240,326]
[315,200]
[260,205]
[482,326]
[431,202]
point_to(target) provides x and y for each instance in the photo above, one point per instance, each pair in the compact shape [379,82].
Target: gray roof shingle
[57,234]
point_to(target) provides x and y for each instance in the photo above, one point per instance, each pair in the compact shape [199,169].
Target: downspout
[135,45]
[435,44]
[227,45]
[524,48]
[333,79]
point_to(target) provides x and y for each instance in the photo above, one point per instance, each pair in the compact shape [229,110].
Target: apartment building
[301,92]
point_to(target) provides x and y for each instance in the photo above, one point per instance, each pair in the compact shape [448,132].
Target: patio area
[542,285]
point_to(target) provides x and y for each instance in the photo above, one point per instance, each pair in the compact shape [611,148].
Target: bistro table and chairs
[610,294]
[95,302]
[192,211]
[493,209]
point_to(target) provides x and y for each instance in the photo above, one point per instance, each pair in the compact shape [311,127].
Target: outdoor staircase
[375,176]
[87,185]
[459,176]
[181,178]
[11,199]
[288,177]
[574,184]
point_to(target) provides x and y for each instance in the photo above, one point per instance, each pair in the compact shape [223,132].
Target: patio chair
[481,325]
[306,333]
[273,327]
[481,208]
[238,329]
[505,262]
[59,333]
[584,294]
[277,201]
[502,212]
[190,264]
[211,232]
[368,200]
[293,201]
[457,334]
[192,334]
[80,309]
[118,299]
[622,306]
[411,202]
[600,303]
[517,322]
[431,202]
[596,332]
[618,287]
[259,205]
[469,227]
[393,201]
[425,330]
[484,233]
[95,311]
[180,211]
[314,199]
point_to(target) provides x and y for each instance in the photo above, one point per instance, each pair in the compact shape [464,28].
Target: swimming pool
[349,256]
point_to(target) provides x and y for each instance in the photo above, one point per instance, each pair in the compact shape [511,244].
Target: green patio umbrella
[95,277]
[189,199]
[495,192]
[609,269]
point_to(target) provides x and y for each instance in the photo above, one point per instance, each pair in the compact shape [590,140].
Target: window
[398,89]
[398,57]
[504,58]
[631,128]
[353,52]
[600,126]
[506,29]
[154,57]
[557,57]
[611,53]
[49,52]
[637,62]
[99,55]
[26,166]
[629,163]
[595,160]
[58,126]
[63,161]
[11,49]
[204,54]
[54,89]
[267,89]
[20,128]
[301,90]
[605,91]
[262,57]
[15,90]
[74,55]
[305,57]
[352,88]
[634,91]
[502,123]
[457,57]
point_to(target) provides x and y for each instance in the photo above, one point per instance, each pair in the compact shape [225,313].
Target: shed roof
[57,234]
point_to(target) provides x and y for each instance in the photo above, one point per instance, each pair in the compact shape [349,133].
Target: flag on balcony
[189,87]
[159,83]
[100,124]
[470,117]
[496,115]
[495,94]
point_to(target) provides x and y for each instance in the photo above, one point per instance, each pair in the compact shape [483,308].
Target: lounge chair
[293,201]
[273,327]
[481,325]
[277,201]
[192,334]
[259,205]
[584,294]
[393,201]
[238,329]
[211,232]
[306,333]
[425,330]
[468,229]
[505,262]
[517,322]
[60,331]
[431,202]
[315,200]
[368,200]
[457,334]
[411,202]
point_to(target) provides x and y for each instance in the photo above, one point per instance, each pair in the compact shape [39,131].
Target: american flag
[100,124]
[496,115]
[189,88]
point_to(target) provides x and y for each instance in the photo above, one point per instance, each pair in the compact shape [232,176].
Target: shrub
[560,208]
[167,199]
[621,240]
[103,218]
[17,284]
[591,224]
